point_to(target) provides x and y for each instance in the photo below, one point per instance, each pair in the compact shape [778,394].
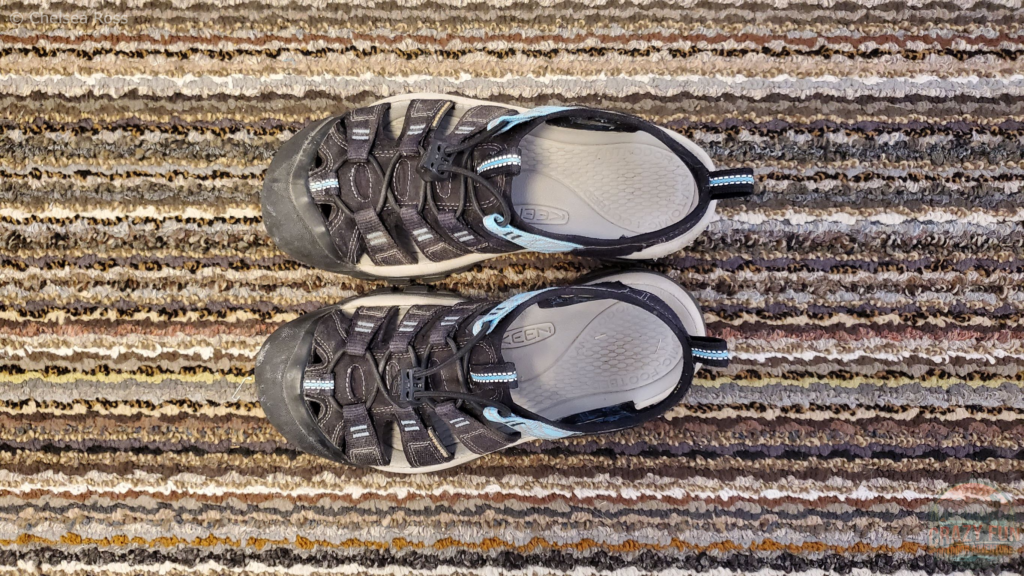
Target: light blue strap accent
[502,310]
[528,427]
[537,112]
[527,240]
[725,180]
[711,354]
[502,377]
[499,161]
[318,384]
[323,185]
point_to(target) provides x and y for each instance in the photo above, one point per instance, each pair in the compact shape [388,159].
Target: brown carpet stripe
[870,290]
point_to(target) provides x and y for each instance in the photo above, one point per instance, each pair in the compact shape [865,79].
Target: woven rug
[870,289]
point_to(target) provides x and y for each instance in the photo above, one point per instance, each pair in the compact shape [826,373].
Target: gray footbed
[590,356]
[601,184]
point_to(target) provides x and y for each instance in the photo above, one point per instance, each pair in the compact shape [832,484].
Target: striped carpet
[871,290]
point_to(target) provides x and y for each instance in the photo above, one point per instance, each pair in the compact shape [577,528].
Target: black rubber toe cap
[291,217]
[279,368]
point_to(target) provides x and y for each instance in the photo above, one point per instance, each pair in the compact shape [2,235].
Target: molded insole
[600,184]
[591,355]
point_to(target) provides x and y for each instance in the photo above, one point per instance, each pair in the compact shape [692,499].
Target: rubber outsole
[296,225]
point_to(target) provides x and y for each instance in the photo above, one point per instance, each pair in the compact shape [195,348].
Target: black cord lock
[436,162]
[409,384]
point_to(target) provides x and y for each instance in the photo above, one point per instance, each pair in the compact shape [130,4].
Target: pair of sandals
[422,186]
